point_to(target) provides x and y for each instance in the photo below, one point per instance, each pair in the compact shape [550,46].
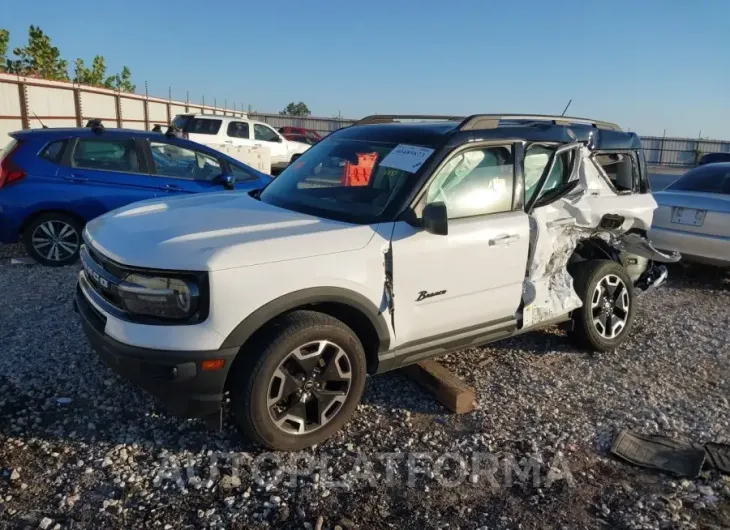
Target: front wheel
[300,381]
[607,315]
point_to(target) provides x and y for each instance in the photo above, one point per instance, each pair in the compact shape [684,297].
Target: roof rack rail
[492,121]
[391,118]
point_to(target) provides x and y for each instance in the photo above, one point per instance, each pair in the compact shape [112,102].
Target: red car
[300,134]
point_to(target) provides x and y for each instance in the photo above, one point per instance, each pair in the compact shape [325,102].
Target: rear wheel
[607,315]
[300,382]
[53,239]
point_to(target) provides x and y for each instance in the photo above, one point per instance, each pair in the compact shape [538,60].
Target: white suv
[211,128]
[385,244]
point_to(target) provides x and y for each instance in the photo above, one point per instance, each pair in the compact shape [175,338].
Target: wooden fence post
[23,97]
[78,113]
[118,105]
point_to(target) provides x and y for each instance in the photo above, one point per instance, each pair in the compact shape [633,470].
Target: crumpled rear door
[585,206]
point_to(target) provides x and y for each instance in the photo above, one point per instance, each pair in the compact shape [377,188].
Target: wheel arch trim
[314,295]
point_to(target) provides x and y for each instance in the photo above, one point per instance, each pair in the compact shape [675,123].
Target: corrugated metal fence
[323,126]
[26,102]
[679,152]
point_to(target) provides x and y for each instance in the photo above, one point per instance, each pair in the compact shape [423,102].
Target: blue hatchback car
[53,181]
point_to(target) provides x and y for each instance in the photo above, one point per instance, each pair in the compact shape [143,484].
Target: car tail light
[9,170]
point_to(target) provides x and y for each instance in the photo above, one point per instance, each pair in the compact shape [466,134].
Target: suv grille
[102,277]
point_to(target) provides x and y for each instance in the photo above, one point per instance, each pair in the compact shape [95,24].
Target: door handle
[171,187]
[504,240]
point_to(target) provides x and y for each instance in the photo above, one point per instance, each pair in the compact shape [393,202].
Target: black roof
[452,130]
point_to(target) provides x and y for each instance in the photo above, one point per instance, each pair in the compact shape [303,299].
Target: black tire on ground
[586,277]
[53,239]
[253,375]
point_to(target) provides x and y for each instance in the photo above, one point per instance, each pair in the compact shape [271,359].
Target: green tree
[296,109]
[121,81]
[39,58]
[4,40]
[94,76]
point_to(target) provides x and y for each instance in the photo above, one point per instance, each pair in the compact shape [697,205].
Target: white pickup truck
[385,244]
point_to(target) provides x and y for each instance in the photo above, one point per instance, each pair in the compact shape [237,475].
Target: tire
[590,329]
[272,385]
[53,239]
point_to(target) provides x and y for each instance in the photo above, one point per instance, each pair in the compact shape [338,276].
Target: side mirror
[227,181]
[435,219]
[277,139]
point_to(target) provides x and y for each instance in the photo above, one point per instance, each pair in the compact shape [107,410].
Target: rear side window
[620,169]
[192,125]
[238,129]
[106,154]
[710,178]
[53,152]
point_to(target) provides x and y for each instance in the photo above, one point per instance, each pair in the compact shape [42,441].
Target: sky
[648,65]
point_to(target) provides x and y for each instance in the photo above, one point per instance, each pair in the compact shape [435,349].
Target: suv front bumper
[175,378]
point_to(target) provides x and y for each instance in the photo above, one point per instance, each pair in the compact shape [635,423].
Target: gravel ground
[82,448]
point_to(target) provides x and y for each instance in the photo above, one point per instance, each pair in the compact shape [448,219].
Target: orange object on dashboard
[359,174]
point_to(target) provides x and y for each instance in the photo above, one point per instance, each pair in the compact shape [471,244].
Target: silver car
[693,216]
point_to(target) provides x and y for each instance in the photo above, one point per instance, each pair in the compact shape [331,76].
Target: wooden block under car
[448,389]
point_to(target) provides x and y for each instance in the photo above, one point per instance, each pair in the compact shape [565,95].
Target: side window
[107,154]
[238,129]
[53,152]
[536,160]
[241,174]
[620,169]
[476,182]
[262,132]
[179,162]
[202,126]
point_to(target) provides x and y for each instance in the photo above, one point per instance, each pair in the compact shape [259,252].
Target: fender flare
[253,322]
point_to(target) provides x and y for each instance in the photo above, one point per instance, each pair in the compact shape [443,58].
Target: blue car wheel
[53,239]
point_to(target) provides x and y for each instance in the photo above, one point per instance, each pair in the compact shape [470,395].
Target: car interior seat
[131,159]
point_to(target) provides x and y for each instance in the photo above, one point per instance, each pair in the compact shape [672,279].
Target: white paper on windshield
[406,157]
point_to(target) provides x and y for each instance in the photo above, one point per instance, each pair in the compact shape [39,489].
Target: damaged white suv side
[386,243]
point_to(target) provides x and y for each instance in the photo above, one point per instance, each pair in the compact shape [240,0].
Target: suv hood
[214,231]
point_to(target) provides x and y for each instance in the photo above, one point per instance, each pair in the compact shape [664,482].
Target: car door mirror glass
[435,219]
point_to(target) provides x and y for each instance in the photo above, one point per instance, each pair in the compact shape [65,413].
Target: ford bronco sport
[457,232]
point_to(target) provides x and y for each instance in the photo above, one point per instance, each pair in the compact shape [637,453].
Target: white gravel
[82,448]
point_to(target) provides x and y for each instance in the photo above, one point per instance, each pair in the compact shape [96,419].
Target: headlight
[160,297]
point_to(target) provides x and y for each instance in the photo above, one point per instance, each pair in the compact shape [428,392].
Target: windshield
[347,180]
